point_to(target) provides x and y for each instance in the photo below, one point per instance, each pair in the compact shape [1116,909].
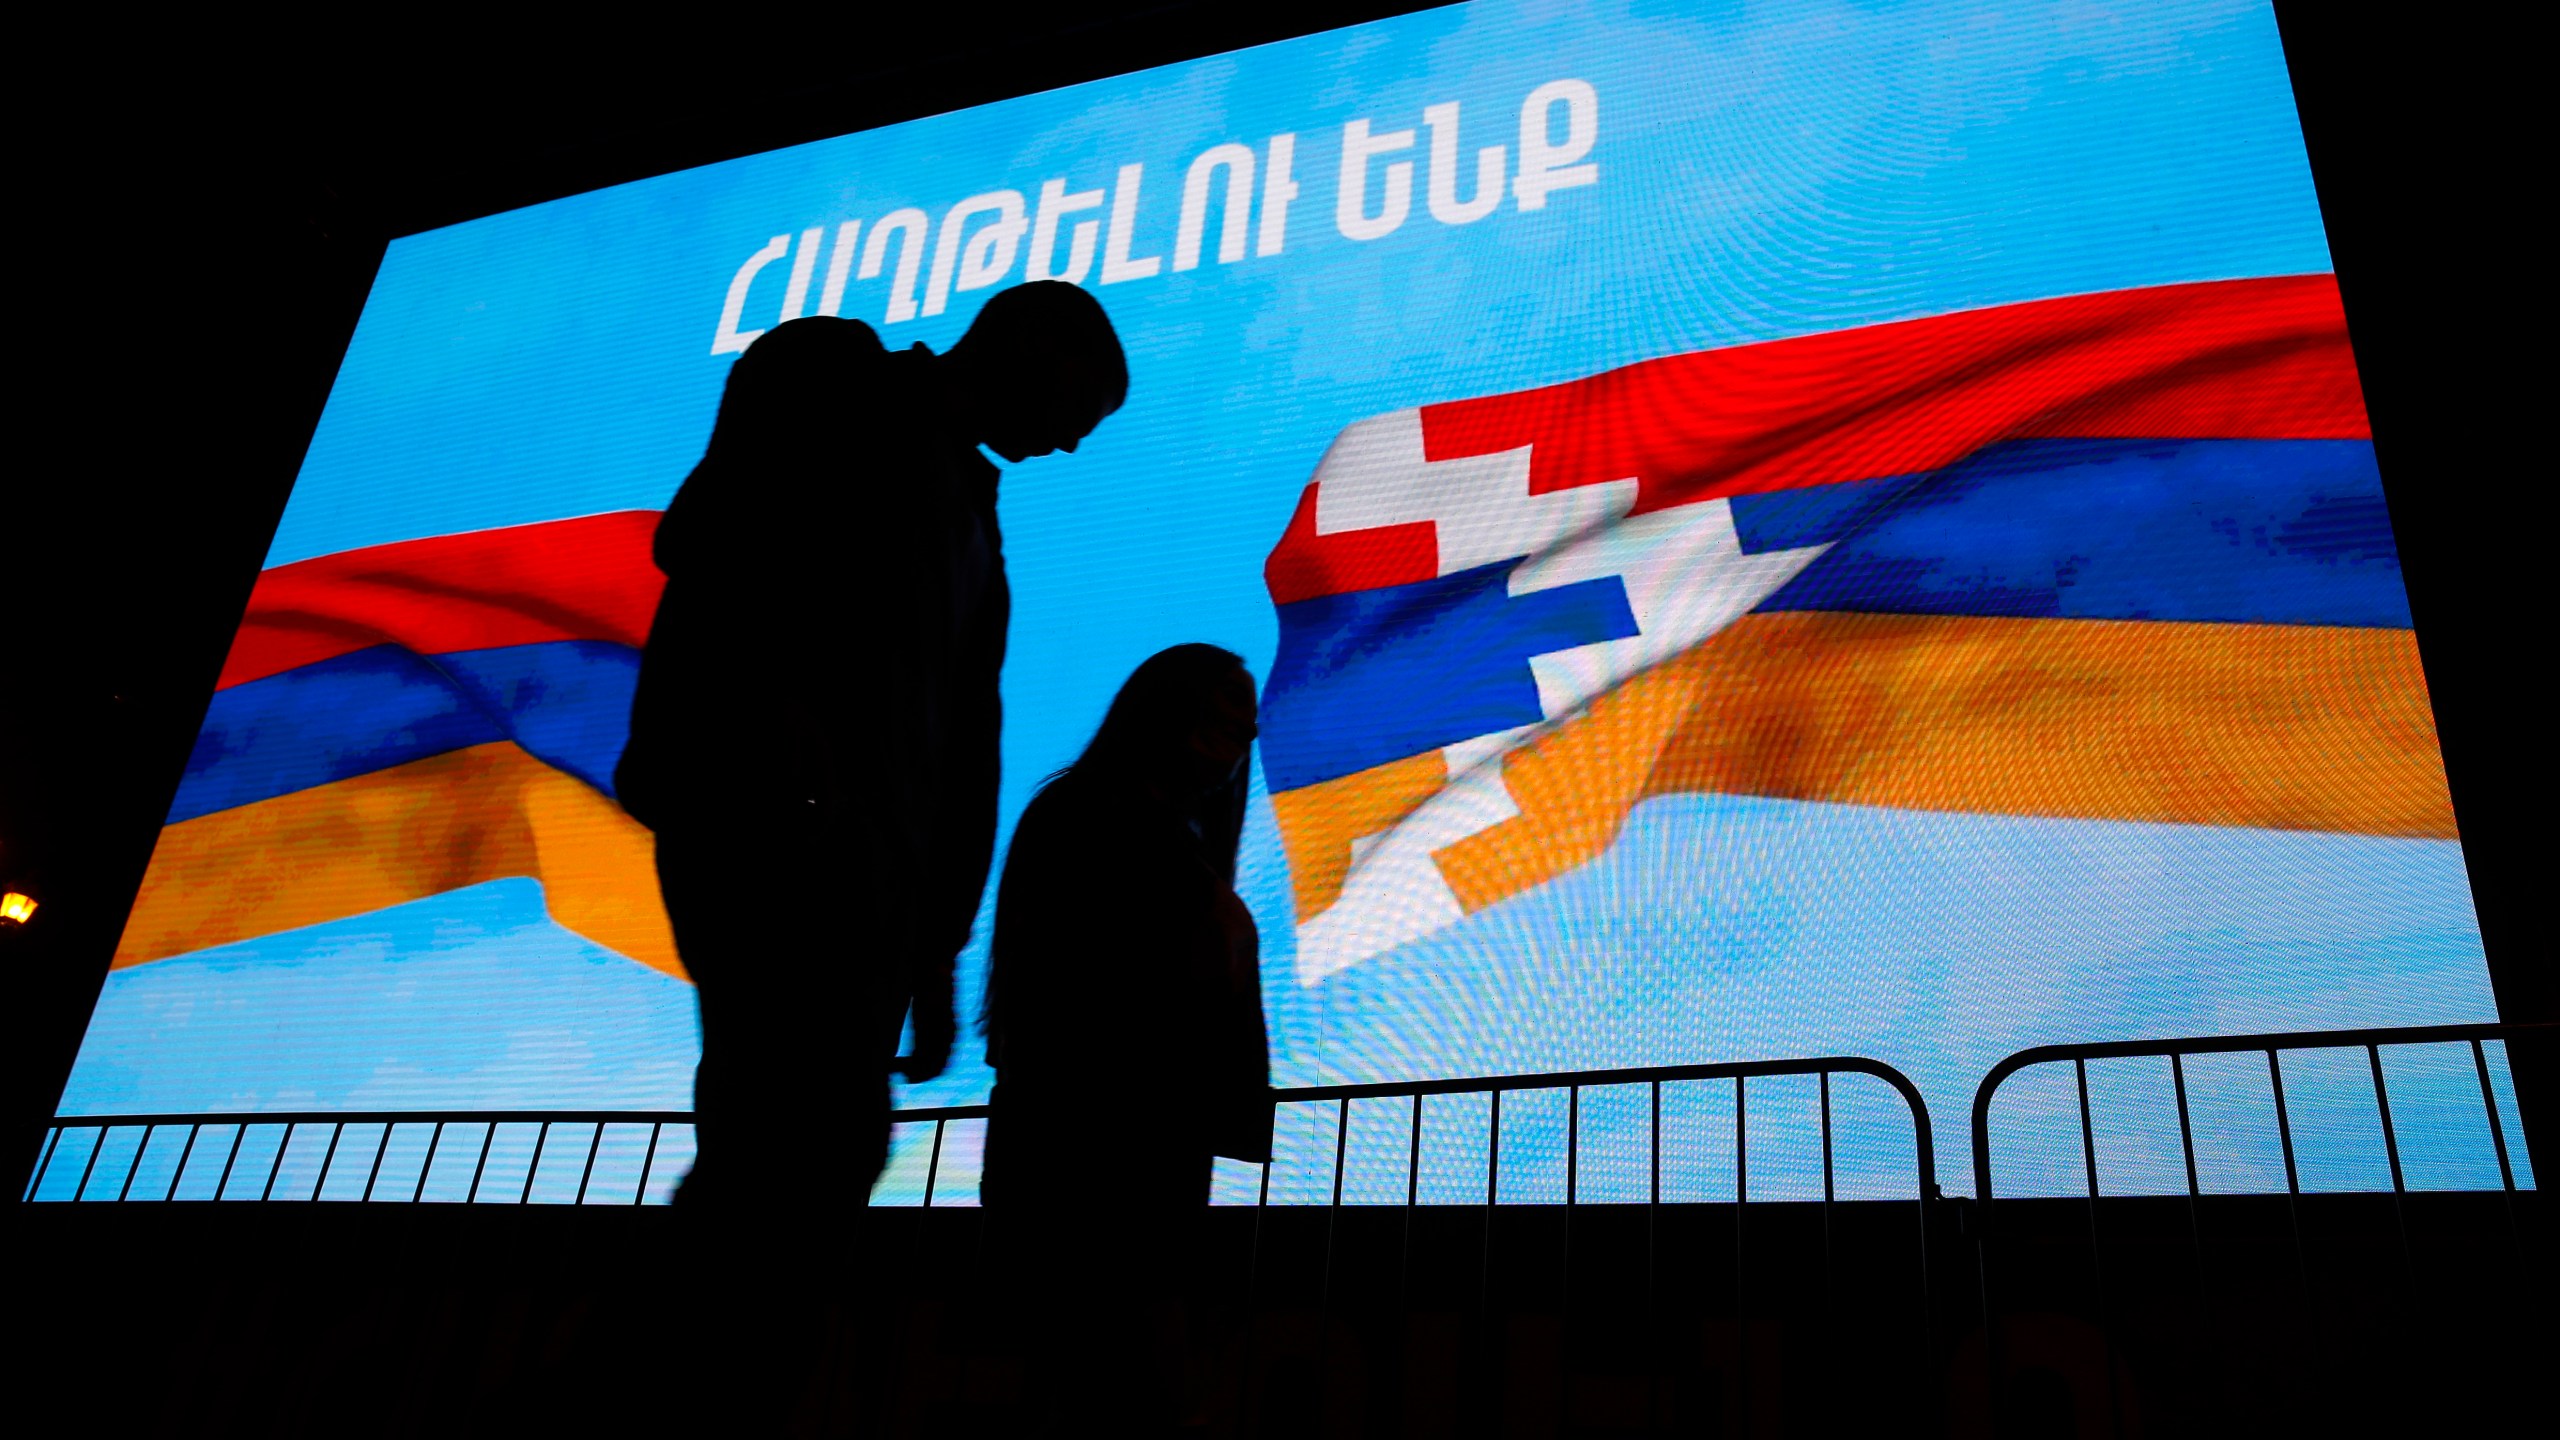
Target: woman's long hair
[1142,738]
[1149,724]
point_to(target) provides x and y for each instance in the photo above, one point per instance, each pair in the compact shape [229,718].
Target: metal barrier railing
[1573,1083]
[941,1116]
[2272,1046]
[488,1122]
[479,1132]
[1924,1154]
[584,1134]
[2370,1041]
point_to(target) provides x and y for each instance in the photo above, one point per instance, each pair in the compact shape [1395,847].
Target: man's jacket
[830,638]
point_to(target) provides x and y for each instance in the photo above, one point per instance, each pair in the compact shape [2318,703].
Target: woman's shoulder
[1089,815]
[1058,798]
[1064,812]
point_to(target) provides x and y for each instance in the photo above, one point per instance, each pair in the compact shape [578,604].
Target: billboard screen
[1765,530]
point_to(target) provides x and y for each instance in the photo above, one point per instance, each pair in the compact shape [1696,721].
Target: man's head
[1039,368]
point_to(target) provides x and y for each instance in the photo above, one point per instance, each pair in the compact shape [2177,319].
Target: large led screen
[1765,529]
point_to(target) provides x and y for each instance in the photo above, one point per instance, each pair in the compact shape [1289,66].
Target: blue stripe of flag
[2279,532]
[568,702]
[1370,676]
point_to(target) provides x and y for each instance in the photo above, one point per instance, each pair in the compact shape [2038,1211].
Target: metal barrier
[2371,1041]
[364,1142]
[338,1123]
[941,1117]
[1573,1083]
[1924,1149]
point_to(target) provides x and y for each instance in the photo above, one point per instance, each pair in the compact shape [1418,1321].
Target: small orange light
[16,908]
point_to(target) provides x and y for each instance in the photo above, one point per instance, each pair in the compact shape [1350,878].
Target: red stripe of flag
[2226,359]
[589,578]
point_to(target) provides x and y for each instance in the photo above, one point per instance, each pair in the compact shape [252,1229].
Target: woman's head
[1182,724]
[1182,728]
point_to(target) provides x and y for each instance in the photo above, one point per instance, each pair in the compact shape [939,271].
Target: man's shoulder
[831,335]
[797,365]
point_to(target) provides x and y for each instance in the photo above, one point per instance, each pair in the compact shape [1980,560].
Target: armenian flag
[2106,557]
[408,719]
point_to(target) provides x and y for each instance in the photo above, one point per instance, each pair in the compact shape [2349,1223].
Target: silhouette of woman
[1125,969]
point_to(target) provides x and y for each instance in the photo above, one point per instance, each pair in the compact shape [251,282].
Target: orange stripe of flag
[359,845]
[2272,727]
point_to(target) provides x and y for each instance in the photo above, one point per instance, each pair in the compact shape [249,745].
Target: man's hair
[1063,323]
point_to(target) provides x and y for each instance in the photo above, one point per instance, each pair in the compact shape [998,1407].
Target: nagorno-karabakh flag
[403,720]
[2106,557]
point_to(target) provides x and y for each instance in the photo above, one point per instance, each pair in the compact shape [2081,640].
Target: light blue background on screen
[1764,171]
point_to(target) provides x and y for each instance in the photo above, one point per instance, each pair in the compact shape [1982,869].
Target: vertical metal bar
[52,1143]
[488,1133]
[381,1148]
[933,1162]
[1653,1143]
[88,1169]
[185,1152]
[327,1158]
[1333,1215]
[2187,1145]
[435,1141]
[1741,1169]
[1830,1328]
[1827,1190]
[594,1144]
[2284,1124]
[1924,1194]
[2498,1138]
[91,1168]
[2382,1102]
[2391,1148]
[1564,1280]
[1332,1219]
[275,1167]
[145,1148]
[2088,1144]
[1652,1264]
[2186,1127]
[2097,1257]
[2292,1175]
[1572,1143]
[540,1139]
[1413,1158]
[1341,1145]
[1412,1198]
[648,1160]
[239,1133]
[1492,1197]
[2497,1130]
[1741,1325]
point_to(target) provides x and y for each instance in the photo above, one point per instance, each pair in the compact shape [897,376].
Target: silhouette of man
[814,738]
